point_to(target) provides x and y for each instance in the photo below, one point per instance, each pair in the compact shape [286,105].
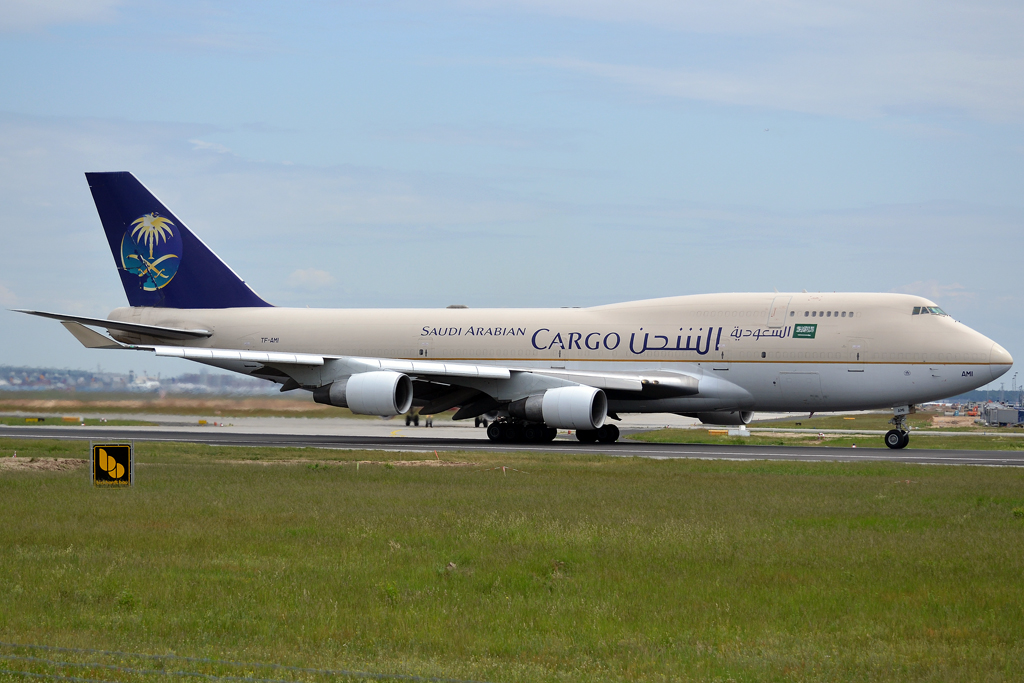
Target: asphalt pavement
[400,440]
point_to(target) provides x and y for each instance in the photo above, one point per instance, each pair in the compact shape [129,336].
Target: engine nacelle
[369,393]
[564,408]
[726,418]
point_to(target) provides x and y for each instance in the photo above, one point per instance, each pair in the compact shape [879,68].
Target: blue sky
[519,153]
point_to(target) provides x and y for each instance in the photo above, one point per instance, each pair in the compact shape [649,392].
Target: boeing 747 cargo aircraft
[716,357]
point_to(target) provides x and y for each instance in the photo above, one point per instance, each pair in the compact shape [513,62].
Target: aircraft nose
[999,360]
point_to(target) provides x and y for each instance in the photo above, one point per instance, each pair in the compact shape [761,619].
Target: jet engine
[564,408]
[369,393]
[726,418]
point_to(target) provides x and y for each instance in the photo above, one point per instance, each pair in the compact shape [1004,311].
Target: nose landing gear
[900,436]
[895,438]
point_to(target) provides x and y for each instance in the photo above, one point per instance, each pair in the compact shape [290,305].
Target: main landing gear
[900,436]
[516,431]
[606,434]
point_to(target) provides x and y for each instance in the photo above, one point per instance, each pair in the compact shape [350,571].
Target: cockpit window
[928,310]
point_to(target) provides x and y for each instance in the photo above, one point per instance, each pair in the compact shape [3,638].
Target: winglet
[90,338]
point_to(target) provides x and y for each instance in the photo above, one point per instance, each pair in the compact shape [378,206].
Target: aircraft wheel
[894,438]
[513,432]
[608,434]
[495,432]
[550,433]
[586,435]
[533,433]
[906,439]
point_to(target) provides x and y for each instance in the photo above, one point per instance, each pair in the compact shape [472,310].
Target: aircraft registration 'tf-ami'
[716,357]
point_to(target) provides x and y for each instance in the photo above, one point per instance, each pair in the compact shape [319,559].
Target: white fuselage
[864,350]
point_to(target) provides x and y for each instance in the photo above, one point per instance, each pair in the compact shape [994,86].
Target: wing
[437,385]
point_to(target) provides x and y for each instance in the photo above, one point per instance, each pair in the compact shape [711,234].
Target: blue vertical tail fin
[160,261]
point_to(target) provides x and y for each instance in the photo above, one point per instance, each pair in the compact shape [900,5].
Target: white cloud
[848,85]
[7,297]
[847,58]
[954,22]
[21,15]
[209,146]
[936,291]
[508,137]
[310,279]
[736,16]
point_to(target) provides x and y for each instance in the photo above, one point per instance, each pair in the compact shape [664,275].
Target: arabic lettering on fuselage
[759,333]
[700,342]
[697,340]
[662,339]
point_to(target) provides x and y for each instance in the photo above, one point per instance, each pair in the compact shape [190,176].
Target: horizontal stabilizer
[91,339]
[148,330]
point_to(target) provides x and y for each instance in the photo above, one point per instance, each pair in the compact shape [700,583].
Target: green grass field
[918,439]
[917,421]
[861,421]
[58,421]
[560,568]
[293,404]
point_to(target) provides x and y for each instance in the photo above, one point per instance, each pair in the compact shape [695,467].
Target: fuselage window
[851,314]
[829,314]
[917,310]
[837,314]
[814,314]
[821,313]
[806,313]
[844,314]
[792,313]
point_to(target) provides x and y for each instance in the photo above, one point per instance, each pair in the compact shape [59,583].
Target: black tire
[513,432]
[550,433]
[586,435]
[608,434]
[408,420]
[495,432]
[533,433]
[906,439]
[416,420]
[894,439]
[476,422]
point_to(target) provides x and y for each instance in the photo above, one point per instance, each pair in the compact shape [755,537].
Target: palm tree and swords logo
[151,250]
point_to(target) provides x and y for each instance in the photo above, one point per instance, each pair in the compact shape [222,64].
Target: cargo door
[800,389]
[777,312]
[856,354]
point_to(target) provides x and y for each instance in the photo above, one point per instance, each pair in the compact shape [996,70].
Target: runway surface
[624,448]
